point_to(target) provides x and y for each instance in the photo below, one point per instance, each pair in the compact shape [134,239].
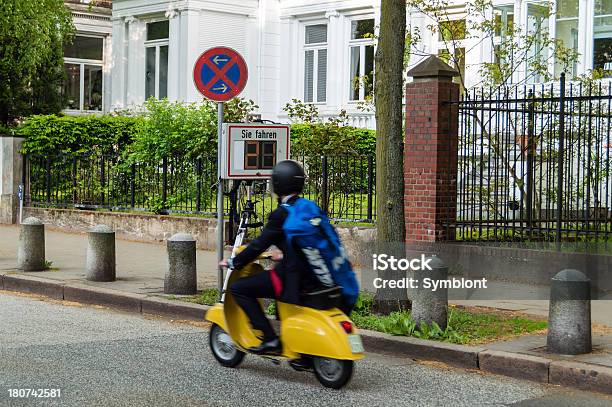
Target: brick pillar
[430,163]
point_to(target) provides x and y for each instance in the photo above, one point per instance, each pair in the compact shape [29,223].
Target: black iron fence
[343,185]
[534,163]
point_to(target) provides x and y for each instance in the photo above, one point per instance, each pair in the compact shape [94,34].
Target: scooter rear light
[347,326]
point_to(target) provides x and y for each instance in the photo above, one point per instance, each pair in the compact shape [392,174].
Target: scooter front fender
[308,331]
[216,316]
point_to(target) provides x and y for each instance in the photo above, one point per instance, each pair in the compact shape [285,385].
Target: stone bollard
[428,305]
[101,263]
[31,252]
[181,277]
[569,315]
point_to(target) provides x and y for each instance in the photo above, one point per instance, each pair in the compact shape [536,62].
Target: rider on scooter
[291,274]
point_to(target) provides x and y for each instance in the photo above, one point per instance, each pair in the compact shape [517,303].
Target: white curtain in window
[354,73]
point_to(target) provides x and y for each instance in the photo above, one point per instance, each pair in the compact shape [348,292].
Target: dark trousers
[246,291]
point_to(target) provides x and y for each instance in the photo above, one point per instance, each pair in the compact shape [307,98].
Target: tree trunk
[389,149]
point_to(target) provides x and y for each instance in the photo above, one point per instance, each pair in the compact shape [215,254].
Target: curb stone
[533,368]
[583,376]
[102,296]
[33,285]
[170,308]
[452,354]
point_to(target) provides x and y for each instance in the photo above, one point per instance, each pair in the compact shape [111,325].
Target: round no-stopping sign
[220,74]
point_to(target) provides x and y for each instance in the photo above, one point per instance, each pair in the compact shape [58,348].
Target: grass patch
[466,325]
[472,325]
[208,296]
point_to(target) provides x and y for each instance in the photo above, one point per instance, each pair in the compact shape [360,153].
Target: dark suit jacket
[292,269]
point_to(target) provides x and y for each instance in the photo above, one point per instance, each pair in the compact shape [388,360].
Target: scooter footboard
[314,332]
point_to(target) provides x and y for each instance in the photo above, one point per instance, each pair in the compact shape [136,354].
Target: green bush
[162,128]
[183,129]
[51,134]
[166,128]
[330,138]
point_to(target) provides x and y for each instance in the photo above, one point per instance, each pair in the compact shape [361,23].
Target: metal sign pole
[20,196]
[220,243]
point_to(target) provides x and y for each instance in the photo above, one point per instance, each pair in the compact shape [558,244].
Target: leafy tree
[32,34]
[182,129]
[521,49]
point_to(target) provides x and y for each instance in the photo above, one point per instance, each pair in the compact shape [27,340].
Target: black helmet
[288,178]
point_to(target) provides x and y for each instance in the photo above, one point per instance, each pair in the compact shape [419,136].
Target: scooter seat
[322,298]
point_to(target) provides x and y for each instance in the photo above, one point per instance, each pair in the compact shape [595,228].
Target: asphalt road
[99,357]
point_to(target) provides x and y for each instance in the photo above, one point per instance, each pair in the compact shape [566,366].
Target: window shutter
[308,76]
[316,33]
[321,75]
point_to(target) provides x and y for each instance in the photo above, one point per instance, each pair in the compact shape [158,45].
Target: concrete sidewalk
[141,268]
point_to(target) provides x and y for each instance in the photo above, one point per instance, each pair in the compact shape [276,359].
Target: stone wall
[154,228]
[11,166]
[131,226]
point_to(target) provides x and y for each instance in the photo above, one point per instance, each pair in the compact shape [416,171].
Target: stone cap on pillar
[181,237]
[101,228]
[31,221]
[432,68]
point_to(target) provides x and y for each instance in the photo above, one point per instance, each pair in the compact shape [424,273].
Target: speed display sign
[250,151]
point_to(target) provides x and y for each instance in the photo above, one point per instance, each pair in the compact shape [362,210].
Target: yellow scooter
[322,340]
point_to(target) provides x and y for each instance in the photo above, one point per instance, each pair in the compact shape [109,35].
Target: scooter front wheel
[223,349]
[332,373]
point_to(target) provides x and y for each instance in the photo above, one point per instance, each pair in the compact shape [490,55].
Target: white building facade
[317,51]
[310,51]
[583,26]
[87,59]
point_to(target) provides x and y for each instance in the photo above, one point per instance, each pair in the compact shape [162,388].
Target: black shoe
[301,365]
[271,347]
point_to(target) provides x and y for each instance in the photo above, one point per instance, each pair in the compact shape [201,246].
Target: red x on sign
[220,74]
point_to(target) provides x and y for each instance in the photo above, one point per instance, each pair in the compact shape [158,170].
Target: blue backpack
[308,229]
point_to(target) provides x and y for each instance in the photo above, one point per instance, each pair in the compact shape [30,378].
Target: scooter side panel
[314,332]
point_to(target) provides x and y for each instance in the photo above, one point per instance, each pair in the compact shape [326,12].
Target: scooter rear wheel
[332,373]
[222,347]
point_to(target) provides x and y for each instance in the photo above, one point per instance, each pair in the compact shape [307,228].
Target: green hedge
[329,138]
[50,134]
[172,129]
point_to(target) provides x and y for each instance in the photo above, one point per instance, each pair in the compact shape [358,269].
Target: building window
[156,60]
[567,32]
[602,38]
[361,56]
[452,30]
[504,29]
[315,63]
[537,27]
[456,59]
[83,62]
[504,21]
[450,46]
